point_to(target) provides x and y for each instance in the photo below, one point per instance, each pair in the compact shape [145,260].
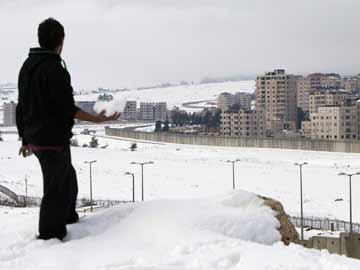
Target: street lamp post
[301,198]
[142,175]
[133,184]
[350,177]
[26,188]
[233,169]
[91,189]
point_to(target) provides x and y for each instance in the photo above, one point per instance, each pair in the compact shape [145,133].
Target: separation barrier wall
[347,244]
[280,143]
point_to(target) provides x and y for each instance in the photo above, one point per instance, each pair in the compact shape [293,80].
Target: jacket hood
[39,55]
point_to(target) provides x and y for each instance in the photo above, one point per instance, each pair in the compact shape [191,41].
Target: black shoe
[48,237]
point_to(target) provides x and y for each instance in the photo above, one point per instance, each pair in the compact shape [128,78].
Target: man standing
[45,116]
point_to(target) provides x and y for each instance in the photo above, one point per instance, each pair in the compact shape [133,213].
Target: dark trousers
[60,192]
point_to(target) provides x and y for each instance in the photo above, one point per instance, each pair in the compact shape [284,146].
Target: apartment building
[351,84]
[306,129]
[243,99]
[324,81]
[160,111]
[335,123]
[330,82]
[226,100]
[303,88]
[322,98]
[87,106]
[147,111]
[9,115]
[130,111]
[153,111]
[244,123]
[276,100]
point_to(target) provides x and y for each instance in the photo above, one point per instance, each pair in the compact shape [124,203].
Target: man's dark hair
[50,33]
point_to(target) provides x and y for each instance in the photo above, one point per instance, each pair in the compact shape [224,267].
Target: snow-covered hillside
[174,96]
[177,95]
[233,231]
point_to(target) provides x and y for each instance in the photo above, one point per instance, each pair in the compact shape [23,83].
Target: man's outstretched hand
[25,151]
[101,117]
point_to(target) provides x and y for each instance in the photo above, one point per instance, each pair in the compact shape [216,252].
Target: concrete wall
[283,143]
[333,245]
[319,242]
[348,245]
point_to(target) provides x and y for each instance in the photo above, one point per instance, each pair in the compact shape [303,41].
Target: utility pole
[233,170]
[26,193]
[350,175]
[301,198]
[91,189]
[133,184]
[142,175]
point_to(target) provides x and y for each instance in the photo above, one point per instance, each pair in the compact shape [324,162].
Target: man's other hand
[101,117]
[25,151]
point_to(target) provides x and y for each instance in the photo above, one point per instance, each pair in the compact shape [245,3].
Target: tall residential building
[276,99]
[130,111]
[322,98]
[335,123]
[9,114]
[312,83]
[244,123]
[303,87]
[153,111]
[226,100]
[243,99]
[87,106]
[324,81]
[351,84]
[330,82]
[160,111]
[146,111]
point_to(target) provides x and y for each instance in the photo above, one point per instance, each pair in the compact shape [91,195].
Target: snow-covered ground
[231,231]
[188,171]
[190,218]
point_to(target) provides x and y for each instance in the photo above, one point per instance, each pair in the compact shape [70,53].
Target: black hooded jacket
[46,108]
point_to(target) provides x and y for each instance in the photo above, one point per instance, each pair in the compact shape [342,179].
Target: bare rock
[287,229]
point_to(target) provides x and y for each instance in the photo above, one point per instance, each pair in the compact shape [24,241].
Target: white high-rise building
[226,100]
[130,111]
[276,99]
[153,111]
[10,113]
[87,106]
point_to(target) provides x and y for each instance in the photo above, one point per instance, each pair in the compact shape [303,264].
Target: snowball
[110,107]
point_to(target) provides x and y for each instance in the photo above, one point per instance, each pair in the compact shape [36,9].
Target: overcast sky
[127,43]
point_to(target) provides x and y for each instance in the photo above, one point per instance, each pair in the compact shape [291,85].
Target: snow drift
[218,233]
